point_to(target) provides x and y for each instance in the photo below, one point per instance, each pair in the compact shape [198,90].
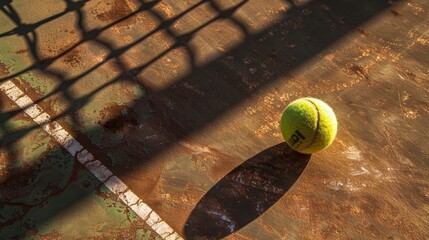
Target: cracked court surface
[181,102]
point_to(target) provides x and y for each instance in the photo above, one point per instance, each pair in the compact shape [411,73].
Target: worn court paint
[100,171]
[367,60]
[44,192]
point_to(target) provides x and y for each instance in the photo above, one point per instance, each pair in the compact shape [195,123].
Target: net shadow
[178,111]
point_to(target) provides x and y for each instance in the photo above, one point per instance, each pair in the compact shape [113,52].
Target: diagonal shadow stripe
[220,79]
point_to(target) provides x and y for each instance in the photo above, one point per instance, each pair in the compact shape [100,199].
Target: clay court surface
[124,119]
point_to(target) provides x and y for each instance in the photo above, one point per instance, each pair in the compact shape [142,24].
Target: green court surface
[173,107]
[39,180]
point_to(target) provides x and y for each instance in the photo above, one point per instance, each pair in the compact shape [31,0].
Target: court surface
[127,119]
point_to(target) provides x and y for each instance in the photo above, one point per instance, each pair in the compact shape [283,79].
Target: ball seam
[316,130]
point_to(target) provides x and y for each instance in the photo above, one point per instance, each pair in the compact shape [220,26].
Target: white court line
[100,171]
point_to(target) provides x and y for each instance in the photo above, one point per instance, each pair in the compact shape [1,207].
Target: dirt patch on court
[116,117]
[4,71]
[149,127]
[73,59]
[115,10]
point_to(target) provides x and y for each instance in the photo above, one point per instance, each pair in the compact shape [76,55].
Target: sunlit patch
[353,153]
[360,171]
[411,114]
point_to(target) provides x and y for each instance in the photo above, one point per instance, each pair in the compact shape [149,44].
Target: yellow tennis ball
[308,125]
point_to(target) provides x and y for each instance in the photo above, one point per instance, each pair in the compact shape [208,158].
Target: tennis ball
[308,125]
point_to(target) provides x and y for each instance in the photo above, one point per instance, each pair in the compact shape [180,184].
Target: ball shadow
[245,193]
